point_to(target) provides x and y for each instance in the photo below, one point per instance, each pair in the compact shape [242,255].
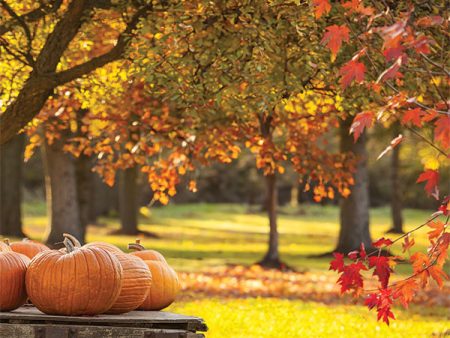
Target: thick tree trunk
[61,192]
[272,257]
[11,163]
[128,201]
[396,190]
[85,194]
[354,213]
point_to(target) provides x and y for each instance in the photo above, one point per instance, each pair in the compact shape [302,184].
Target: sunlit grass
[264,318]
[196,236]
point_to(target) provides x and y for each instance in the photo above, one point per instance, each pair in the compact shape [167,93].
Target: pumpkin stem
[75,242]
[6,241]
[69,245]
[135,246]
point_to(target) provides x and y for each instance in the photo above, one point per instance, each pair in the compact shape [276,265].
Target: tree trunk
[396,190]
[128,201]
[85,194]
[105,198]
[354,213]
[272,257]
[11,163]
[294,195]
[61,192]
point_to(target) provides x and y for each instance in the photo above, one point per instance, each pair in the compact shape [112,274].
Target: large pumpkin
[137,279]
[80,281]
[165,285]
[13,268]
[145,254]
[28,247]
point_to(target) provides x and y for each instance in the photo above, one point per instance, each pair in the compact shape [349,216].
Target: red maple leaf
[360,122]
[334,37]
[338,263]
[405,291]
[438,227]
[372,300]
[414,116]
[351,278]
[442,131]
[432,178]
[437,274]
[394,53]
[422,44]
[428,21]
[352,71]
[321,7]
[420,262]
[445,206]
[383,302]
[358,7]
[384,306]
[382,269]
[392,71]
[382,242]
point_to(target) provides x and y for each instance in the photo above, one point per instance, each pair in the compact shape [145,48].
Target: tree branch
[115,53]
[32,16]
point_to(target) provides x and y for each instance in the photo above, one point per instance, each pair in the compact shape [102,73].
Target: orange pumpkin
[28,247]
[165,285]
[80,281]
[145,254]
[137,279]
[13,268]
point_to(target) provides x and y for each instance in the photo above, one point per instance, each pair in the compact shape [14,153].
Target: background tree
[253,84]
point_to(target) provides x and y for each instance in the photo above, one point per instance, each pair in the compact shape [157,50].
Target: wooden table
[28,322]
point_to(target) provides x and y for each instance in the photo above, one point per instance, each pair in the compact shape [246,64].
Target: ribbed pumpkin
[165,285]
[145,254]
[137,279]
[13,268]
[80,281]
[28,247]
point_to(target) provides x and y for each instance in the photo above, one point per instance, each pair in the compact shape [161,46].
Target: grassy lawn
[199,236]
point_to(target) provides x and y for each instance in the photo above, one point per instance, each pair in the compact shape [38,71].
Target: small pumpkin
[28,247]
[165,285]
[80,281]
[145,254]
[13,268]
[137,279]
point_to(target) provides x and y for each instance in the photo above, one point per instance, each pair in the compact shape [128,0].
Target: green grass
[198,236]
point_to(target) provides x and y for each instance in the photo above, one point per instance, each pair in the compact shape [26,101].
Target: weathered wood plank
[154,319]
[136,319]
[78,331]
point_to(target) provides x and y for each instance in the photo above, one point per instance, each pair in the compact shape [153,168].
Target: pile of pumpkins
[84,280]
